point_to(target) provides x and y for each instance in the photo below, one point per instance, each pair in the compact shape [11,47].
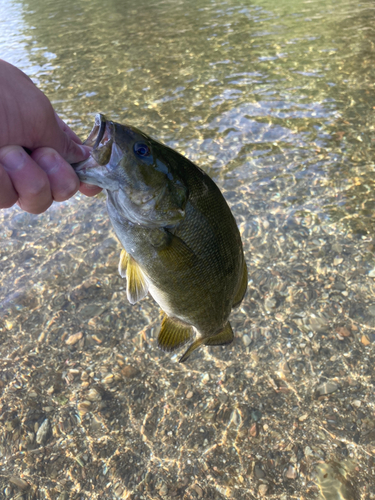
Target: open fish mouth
[99,134]
[101,141]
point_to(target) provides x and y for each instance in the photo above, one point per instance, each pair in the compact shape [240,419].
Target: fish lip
[96,135]
[100,134]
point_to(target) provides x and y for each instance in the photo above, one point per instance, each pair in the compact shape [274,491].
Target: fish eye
[141,149]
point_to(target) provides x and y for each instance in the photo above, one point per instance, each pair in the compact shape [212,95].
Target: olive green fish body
[181,241]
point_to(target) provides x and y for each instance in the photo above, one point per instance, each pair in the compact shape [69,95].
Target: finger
[28,179]
[69,132]
[55,138]
[70,150]
[89,189]
[8,195]
[63,181]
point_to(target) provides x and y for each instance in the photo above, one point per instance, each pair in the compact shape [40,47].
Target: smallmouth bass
[180,241]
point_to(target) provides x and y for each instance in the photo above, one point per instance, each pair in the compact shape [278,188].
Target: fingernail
[13,157]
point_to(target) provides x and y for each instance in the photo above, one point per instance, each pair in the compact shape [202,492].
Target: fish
[181,243]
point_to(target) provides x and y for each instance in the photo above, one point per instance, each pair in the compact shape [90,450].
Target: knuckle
[65,192]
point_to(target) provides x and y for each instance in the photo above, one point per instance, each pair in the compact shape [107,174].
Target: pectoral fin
[242,289]
[136,284]
[224,337]
[172,250]
[173,334]
[123,263]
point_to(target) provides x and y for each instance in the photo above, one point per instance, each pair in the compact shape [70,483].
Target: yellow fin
[123,263]
[224,337]
[191,348]
[136,285]
[242,289]
[172,250]
[173,334]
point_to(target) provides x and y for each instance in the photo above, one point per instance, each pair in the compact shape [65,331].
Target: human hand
[34,180]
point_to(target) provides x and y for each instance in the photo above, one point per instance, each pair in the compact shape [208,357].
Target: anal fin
[242,289]
[173,334]
[136,284]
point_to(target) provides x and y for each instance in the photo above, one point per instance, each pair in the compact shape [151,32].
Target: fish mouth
[96,136]
[100,139]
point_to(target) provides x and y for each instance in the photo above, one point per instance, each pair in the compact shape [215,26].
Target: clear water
[275,100]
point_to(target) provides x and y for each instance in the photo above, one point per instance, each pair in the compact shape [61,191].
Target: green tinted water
[275,100]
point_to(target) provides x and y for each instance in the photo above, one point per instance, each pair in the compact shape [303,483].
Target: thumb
[71,151]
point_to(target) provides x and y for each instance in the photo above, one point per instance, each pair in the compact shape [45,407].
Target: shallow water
[275,100]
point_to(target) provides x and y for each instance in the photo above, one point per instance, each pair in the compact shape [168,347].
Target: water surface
[275,100]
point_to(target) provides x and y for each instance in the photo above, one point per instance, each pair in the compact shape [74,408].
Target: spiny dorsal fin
[136,284]
[242,289]
[224,337]
[123,263]
[173,334]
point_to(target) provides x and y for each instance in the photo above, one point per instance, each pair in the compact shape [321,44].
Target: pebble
[259,472]
[163,490]
[94,395]
[198,490]
[326,388]
[43,431]
[205,378]
[84,406]
[291,472]
[253,430]
[130,371]
[73,339]
[263,488]
[256,415]
[343,331]
[246,340]
[302,418]
[308,451]
[365,340]
[357,403]
[189,395]
[270,303]
[108,379]
[19,482]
